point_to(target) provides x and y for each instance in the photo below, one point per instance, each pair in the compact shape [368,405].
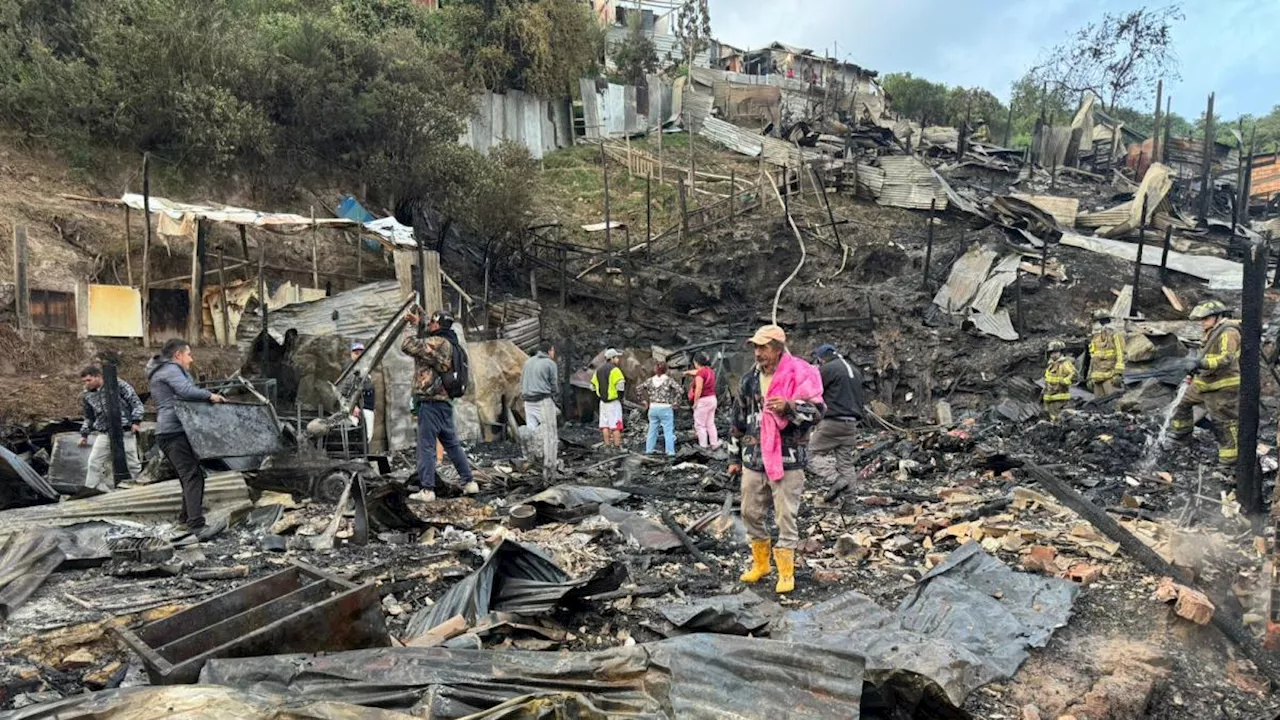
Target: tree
[635,56]
[1119,58]
[693,29]
[917,98]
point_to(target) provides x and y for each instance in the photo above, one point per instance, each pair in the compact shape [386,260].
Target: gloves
[1190,365]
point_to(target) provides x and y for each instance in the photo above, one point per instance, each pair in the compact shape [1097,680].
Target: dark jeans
[435,422]
[177,448]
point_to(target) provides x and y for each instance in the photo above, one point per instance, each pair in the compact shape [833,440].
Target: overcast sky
[1225,46]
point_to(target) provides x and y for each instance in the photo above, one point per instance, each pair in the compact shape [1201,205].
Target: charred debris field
[976,557]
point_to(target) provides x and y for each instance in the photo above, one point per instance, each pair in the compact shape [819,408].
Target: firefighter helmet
[1102,314]
[1209,308]
[1057,346]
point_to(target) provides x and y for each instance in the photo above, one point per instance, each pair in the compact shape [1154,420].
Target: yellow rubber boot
[786,560]
[759,562]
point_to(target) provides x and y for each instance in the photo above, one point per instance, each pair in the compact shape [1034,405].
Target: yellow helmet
[1209,308]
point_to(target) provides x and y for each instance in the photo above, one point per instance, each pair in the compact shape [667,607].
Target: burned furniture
[301,609]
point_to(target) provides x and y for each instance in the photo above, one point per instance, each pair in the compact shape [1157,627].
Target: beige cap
[767,334]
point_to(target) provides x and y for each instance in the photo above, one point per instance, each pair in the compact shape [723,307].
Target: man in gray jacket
[540,387]
[170,381]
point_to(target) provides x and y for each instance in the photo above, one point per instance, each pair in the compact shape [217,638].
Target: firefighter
[1059,376]
[1215,381]
[1106,356]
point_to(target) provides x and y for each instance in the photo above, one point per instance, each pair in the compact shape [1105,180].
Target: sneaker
[424,496]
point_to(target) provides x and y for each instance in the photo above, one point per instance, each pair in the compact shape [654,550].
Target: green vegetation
[286,94]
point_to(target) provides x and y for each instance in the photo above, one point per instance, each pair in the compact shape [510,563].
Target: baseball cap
[443,318]
[357,346]
[824,351]
[767,334]
[612,353]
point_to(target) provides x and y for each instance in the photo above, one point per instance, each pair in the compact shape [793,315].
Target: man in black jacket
[835,439]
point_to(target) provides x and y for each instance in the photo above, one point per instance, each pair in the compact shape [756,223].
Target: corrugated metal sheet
[732,137]
[996,324]
[115,311]
[611,112]
[908,183]
[697,108]
[666,46]
[520,118]
[361,312]
[987,299]
[1220,273]
[967,275]
[1063,209]
[1185,157]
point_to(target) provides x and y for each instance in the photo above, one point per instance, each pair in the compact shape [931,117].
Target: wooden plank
[21,261]
[1172,297]
[433,292]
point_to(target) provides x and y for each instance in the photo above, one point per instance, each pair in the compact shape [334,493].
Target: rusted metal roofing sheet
[359,312]
[1063,209]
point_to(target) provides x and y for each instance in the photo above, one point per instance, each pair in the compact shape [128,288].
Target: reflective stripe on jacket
[1059,376]
[1220,359]
[1106,355]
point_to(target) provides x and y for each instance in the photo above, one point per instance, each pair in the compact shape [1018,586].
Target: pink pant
[704,421]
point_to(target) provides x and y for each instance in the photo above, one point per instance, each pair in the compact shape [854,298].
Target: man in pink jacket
[779,402]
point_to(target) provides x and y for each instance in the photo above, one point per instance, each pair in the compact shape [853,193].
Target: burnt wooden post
[1249,478]
[315,242]
[786,190]
[244,252]
[684,210]
[1164,255]
[1008,125]
[1246,178]
[1206,163]
[146,250]
[961,139]
[115,430]
[564,272]
[1053,174]
[1017,300]
[1137,263]
[21,260]
[604,164]
[222,285]
[627,268]
[928,248]
[648,214]
[128,247]
[195,316]
[262,308]
[1168,127]
[733,192]
[831,216]
[1155,124]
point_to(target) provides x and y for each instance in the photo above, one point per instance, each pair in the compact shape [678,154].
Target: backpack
[455,381]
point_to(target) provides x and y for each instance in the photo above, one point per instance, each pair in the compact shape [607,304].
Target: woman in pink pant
[702,395]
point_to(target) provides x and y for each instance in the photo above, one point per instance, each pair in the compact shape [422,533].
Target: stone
[1029,712]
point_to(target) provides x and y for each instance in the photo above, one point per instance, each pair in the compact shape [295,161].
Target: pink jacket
[794,379]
